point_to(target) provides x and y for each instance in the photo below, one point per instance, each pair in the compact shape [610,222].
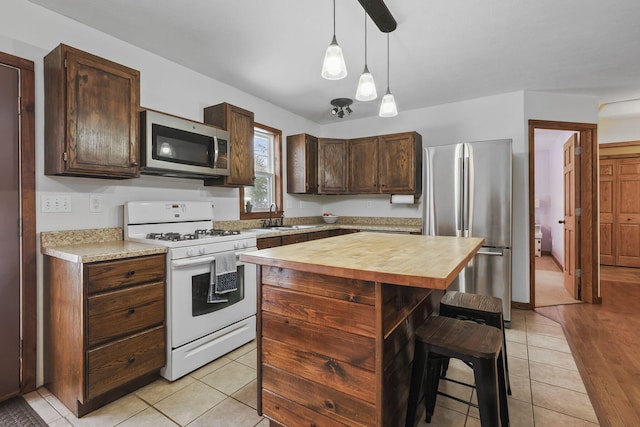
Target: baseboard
[520,305]
[557,262]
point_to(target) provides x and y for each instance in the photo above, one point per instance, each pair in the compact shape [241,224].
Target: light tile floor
[546,386]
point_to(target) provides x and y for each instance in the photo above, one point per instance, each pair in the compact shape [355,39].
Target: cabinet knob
[132,359]
[132,310]
[131,273]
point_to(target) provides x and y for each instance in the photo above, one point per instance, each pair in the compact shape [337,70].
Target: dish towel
[223,278]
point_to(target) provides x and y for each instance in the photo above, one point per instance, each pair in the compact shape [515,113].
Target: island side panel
[317,349]
[403,310]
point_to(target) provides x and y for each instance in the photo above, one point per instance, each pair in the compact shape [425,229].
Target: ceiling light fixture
[388,105]
[334,67]
[366,86]
[340,105]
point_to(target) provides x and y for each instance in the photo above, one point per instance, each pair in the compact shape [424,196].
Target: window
[256,200]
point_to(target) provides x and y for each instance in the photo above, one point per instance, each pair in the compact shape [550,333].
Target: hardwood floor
[604,339]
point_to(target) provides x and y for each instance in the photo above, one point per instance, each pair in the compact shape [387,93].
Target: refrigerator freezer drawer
[488,274]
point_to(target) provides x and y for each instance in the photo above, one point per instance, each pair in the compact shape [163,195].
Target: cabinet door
[332,166]
[628,212]
[302,164]
[98,133]
[401,163]
[239,123]
[363,165]
[607,235]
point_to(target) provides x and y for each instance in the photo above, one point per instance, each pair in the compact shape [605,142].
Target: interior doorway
[578,221]
[18,185]
[553,236]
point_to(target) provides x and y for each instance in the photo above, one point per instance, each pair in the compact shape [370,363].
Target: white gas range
[204,321]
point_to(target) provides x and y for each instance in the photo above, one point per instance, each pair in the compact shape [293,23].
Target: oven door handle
[192,261]
[196,261]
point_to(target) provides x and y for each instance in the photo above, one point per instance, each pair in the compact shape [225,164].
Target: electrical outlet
[55,203]
[95,203]
[301,205]
[369,204]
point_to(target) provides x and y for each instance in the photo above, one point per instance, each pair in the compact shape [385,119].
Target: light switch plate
[95,203]
[55,203]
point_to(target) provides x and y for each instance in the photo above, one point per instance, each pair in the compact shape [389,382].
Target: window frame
[277,166]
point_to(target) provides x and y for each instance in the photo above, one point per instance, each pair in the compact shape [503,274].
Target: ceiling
[442,51]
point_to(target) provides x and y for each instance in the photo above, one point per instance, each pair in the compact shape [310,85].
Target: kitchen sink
[281,228]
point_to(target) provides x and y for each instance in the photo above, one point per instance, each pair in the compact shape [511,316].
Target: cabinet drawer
[124,311]
[295,238]
[122,361]
[115,274]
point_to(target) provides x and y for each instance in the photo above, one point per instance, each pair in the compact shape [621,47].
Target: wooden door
[363,165]
[607,231]
[628,212]
[9,236]
[570,240]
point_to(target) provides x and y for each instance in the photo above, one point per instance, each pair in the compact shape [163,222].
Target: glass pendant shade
[366,87]
[388,105]
[334,67]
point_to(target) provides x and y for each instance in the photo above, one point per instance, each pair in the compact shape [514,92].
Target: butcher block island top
[402,259]
[336,323]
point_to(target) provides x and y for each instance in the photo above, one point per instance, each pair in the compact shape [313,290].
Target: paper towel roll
[404,199]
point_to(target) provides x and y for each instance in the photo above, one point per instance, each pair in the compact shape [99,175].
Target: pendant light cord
[387,61]
[334,18]
[365,38]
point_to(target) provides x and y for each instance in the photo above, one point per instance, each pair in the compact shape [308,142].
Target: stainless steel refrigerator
[468,194]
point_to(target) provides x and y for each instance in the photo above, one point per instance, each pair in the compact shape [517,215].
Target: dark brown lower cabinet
[104,328]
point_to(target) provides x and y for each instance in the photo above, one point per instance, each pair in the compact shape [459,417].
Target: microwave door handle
[215,151]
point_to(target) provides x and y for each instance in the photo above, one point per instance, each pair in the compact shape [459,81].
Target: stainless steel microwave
[173,146]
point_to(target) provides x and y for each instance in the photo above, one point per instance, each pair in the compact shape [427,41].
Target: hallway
[604,341]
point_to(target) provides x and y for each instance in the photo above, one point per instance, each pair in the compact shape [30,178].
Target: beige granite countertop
[410,260]
[84,246]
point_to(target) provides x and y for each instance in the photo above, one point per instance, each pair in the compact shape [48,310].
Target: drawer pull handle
[131,273]
[132,310]
[132,359]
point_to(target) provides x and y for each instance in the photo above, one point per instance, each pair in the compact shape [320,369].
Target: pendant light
[388,105]
[366,86]
[334,67]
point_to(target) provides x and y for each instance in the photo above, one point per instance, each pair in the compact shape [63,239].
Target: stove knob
[236,245]
[245,243]
[202,251]
[190,252]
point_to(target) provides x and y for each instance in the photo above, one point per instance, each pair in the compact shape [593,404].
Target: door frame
[587,226]
[28,278]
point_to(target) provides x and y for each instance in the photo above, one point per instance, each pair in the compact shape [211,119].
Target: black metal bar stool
[478,345]
[482,309]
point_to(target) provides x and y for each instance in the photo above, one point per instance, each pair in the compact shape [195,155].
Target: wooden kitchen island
[336,320]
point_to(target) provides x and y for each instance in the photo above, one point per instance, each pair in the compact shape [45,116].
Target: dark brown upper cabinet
[363,165]
[384,164]
[239,123]
[332,165]
[302,164]
[91,115]
[400,163]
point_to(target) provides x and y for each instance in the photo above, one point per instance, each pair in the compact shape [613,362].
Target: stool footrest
[457,382]
[466,402]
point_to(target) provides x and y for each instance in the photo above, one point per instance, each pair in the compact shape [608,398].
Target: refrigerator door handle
[459,190]
[469,189]
[491,251]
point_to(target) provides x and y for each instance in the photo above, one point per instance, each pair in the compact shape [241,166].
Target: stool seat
[473,302]
[476,344]
[448,335]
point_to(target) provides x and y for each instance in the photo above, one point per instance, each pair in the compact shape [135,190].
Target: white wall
[619,130]
[556,199]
